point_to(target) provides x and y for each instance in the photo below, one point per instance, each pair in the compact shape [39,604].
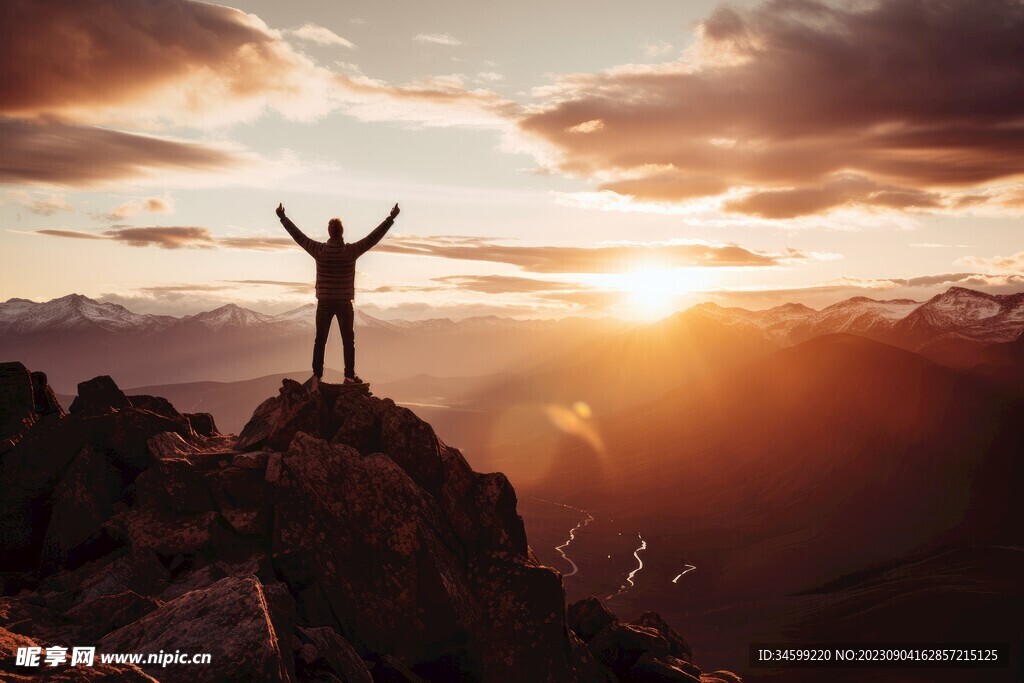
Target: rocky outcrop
[336,539]
[98,395]
[25,397]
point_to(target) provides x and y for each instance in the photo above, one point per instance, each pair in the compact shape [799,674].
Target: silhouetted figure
[335,285]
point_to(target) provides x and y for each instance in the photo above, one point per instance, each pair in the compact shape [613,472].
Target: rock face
[25,397]
[336,539]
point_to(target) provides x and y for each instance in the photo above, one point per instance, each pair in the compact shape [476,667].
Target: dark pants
[326,310]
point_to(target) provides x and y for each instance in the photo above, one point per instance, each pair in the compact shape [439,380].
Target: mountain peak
[336,537]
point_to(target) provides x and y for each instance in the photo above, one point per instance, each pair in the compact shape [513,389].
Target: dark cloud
[61,154]
[804,106]
[175,238]
[600,259]
[166,238]
[65,55]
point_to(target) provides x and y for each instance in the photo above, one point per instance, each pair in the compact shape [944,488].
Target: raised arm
[368,242]
[310,245]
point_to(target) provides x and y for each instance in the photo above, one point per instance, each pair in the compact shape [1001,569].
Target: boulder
[99,395]
[97,673]
[82,501]
[677,647]
[390,573]
[276,421]
[619,646]
[337,653]
[588,617]
[202,424]
[44,400]
[229,620]
[666,669]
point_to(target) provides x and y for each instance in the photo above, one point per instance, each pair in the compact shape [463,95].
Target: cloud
[935,245]
[1013,264]
[175,289]
[162,61]
[288,286]
[653,49]
[600,259]
[506,284]
[805,107]
[73,234]
[257,243]
[320,35]
[42,205]
[66,155]
[174,238]
[437,39]
[165,238]
[137,206]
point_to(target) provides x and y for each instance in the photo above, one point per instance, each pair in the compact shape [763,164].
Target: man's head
[335,228]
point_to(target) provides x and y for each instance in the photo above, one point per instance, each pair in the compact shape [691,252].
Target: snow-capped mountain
[960,313]
[75,312]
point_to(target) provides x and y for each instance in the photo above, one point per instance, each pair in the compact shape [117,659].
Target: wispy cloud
[1012,264]
[437,39]
[621,257]
[319,35]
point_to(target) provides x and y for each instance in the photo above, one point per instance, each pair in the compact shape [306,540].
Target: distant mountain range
[76,312]
[956,314]
[76,338]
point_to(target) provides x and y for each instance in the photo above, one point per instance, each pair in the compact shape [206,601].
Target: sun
[654,294]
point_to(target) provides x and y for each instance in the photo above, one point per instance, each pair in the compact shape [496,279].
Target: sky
[550,159]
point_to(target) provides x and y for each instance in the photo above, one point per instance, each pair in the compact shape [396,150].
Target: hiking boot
[354,379]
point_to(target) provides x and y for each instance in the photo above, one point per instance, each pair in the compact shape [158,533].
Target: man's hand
[395,211]
[280,210]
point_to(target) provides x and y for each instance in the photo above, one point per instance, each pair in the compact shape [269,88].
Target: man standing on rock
[335,285]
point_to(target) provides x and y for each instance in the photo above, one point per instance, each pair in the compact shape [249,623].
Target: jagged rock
[337,653]
[168,445]
[202,424]
[98,395]
[174,485]
[720,677]
[619,646]
[44,400]
[97,673]
[588,669]
[31,470]
[665,669]
[154,404]
[412,444]
[367,550]
[81,502]
[277,419]
[24,398]
[163,534]
[229,620]
[201,578]
[677,647]
[588,617]
[252,461]
[393,670]
[391,573]
[355,421]
[96,618]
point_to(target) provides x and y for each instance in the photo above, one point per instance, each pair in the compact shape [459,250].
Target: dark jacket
[336,260]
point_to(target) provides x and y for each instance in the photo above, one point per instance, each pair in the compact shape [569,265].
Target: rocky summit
[337,538]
